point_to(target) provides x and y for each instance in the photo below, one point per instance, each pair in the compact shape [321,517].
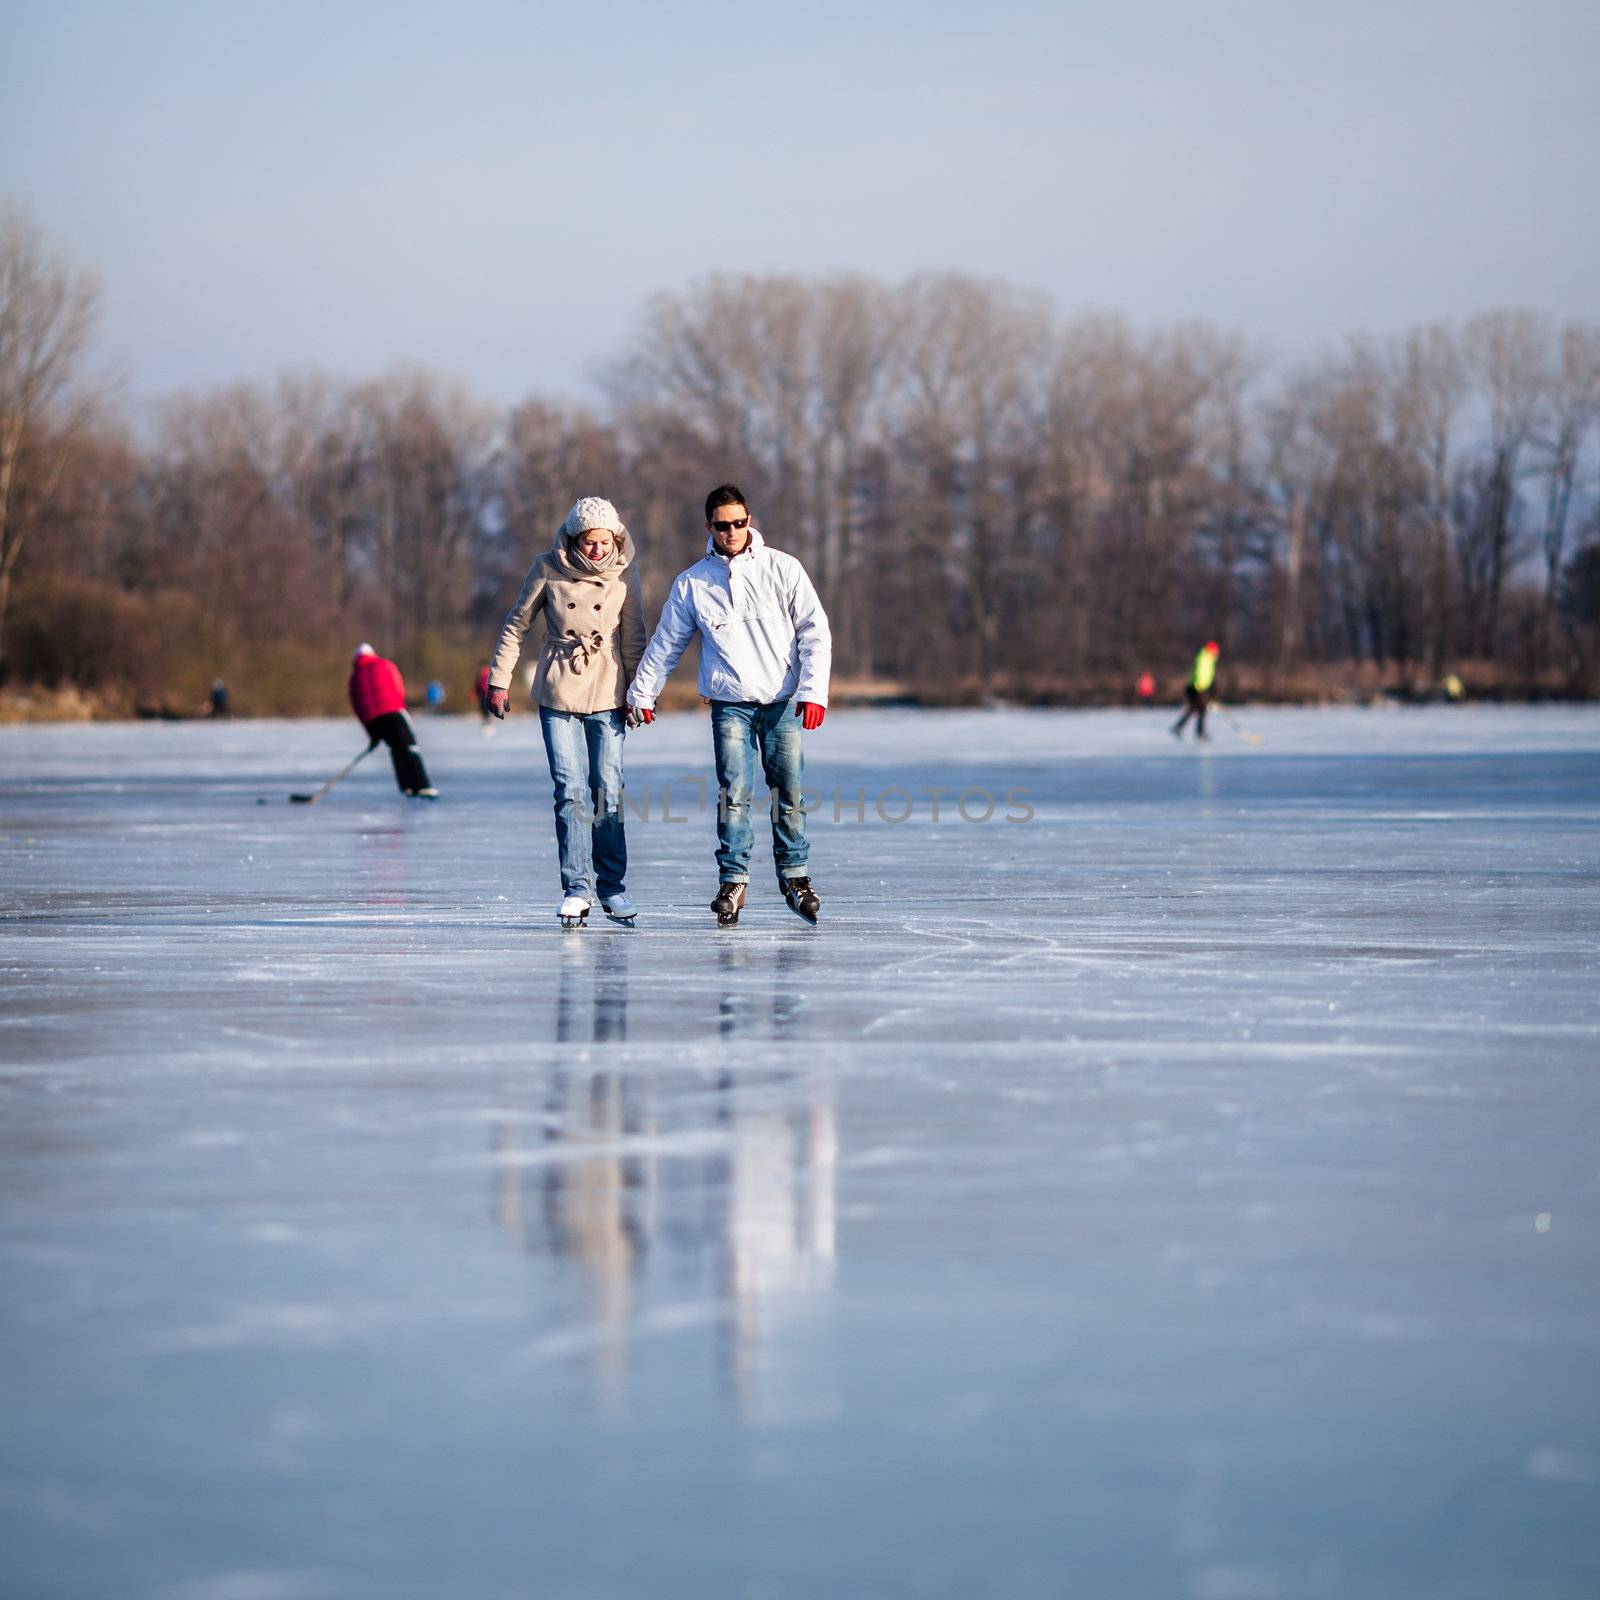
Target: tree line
[991,498]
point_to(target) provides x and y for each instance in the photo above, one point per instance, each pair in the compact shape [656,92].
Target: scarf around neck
[583,564]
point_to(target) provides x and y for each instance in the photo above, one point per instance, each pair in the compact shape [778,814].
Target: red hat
[1211,645]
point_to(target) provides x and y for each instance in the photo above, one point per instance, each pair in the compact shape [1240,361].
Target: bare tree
[857,340]
[1429,387]
[315,460]
[1570,416]
[1139,434]
[772,381]
[975,360]
[47,315]
[428,454]
[1507,353]
[553,454]
[1233,528]
[1296,466]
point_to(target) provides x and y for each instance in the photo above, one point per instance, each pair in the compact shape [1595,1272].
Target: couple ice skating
[765,654]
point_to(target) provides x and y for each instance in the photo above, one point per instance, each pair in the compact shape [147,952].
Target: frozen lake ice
[1190,1188]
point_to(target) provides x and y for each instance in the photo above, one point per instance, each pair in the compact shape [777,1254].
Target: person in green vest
[1197,692]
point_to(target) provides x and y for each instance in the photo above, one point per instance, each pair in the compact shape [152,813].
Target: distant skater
[480,695]
[585,589]
[219,699]
[764,649]
[1197,692]
[378,698]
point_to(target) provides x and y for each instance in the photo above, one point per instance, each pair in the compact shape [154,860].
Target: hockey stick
[311,799]
[1222,711]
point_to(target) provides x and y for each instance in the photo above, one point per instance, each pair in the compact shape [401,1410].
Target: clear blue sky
[493,188]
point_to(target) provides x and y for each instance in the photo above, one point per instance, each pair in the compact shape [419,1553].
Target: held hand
[810,714]
[638,715]
[497,702]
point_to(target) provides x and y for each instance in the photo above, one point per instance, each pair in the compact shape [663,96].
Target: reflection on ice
[659,1188]
[774,1010]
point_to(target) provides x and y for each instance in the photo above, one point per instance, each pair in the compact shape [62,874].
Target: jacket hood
[756,542]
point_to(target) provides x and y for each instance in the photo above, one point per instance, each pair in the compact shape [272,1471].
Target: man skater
[378,698]
[764,647]
[1197,692]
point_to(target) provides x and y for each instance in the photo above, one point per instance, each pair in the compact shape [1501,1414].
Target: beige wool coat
[593,630]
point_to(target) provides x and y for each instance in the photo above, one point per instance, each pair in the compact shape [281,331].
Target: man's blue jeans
[742,733]
[585,751]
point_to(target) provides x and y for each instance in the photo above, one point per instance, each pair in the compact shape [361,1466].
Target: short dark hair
[725,494]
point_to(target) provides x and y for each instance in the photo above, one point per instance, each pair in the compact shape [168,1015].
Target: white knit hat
[592,512]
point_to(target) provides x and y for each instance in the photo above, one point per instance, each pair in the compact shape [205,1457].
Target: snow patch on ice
[257,1584]
[317,1326]
[584,1337]
[699,1141]
[1240,1583]
[1552,1464]
[275,1233]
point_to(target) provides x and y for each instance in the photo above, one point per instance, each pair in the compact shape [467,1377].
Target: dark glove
[810,714]
[497,702]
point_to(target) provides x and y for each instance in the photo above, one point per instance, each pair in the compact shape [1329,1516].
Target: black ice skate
[729,903]
[800,897]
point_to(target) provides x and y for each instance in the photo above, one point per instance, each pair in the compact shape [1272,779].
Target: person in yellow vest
[1197,692]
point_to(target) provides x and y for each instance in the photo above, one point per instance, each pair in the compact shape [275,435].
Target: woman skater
[586,588]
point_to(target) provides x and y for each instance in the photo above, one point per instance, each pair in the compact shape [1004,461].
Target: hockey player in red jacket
[378,698]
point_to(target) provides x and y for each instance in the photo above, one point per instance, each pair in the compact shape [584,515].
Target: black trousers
[1195,703]
[394,729]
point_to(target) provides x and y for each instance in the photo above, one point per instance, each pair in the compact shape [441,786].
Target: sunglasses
[730,527]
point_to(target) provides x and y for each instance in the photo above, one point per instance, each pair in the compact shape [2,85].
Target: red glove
[810,714]
[497,702]
[638,714]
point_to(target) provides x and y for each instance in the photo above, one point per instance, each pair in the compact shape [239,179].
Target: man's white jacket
[763,633]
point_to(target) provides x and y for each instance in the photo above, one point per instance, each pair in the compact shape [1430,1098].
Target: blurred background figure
[435,696]
[1145,688]
[219,699]
[1197,692]
[378,698]
[480,696]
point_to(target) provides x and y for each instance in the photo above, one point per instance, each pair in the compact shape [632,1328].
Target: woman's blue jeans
[585,751]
